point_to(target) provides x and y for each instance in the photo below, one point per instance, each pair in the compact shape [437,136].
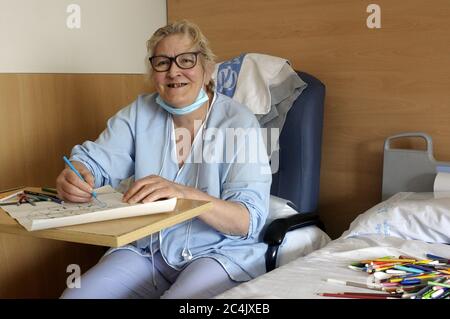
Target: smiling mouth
[176,85]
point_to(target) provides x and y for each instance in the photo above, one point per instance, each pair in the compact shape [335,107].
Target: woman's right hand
[71,188]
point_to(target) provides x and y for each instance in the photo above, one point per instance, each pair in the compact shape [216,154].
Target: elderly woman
[161,140]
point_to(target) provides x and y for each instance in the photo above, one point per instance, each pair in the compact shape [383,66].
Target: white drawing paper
[50,214]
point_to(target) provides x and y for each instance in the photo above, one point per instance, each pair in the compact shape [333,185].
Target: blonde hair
[207,57]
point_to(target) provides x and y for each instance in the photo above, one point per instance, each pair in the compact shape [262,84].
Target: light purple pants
[126,274]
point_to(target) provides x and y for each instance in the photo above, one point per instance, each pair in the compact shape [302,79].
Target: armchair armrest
[276,231]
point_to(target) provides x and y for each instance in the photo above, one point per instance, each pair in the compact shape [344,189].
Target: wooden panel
[42,116]
[36,268]
[379,81]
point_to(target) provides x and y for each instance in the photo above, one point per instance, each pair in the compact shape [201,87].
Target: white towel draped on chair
[266,84]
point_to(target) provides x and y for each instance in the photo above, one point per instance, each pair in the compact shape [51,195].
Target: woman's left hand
[151,188]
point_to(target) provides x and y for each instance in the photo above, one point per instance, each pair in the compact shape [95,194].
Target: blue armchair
[298,176]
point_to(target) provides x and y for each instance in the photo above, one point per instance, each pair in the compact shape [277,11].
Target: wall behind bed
[379,81]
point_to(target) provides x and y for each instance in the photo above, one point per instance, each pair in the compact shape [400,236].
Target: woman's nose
[174,70]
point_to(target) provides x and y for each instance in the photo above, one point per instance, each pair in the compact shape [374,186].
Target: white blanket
[305,277]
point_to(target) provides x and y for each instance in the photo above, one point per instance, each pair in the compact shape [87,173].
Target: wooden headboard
[379,81]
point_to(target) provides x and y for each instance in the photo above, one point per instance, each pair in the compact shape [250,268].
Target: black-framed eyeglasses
[162,63]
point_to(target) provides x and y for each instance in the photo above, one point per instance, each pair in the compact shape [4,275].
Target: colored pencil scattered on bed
[356,295]
[400,277]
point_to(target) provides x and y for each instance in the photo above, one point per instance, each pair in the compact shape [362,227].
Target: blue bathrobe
[228,160]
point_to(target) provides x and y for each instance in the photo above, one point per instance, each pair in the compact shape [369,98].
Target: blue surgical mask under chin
[199,101]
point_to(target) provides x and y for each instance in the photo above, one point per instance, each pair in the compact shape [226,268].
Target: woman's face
[178,87]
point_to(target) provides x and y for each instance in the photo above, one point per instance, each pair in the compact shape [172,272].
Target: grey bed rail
[407,170]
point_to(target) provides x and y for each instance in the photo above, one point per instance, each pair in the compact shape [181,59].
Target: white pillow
[299,242]
[413,216]
[279,208]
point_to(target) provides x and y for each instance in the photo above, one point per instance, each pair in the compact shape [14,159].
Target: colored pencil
[49,190]
[10,196]
[51,197]
[357,296]
[354,284]
[440,284]
[94,194]
[440,259]
[8,204]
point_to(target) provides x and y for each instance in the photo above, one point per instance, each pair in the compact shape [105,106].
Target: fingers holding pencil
[70,187]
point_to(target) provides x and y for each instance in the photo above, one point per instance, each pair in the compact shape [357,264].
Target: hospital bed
[410,220]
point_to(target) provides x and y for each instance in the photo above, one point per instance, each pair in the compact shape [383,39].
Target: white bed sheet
[305,277]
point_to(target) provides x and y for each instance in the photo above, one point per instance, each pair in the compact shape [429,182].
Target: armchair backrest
[298,175]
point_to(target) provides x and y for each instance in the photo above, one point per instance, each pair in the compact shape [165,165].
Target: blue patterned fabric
[227,75]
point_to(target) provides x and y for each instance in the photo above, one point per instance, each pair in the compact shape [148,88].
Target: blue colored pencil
[425,269]
[94,194]
[408,269]
[438,258]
